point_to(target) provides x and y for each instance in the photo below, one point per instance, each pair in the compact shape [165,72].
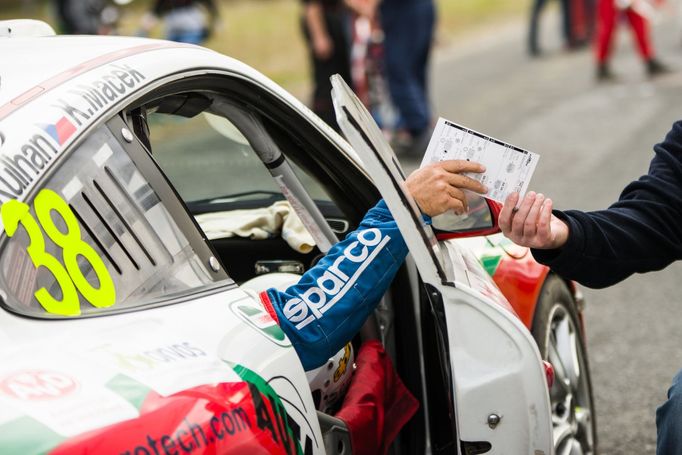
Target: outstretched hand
[439,187]
[531,223]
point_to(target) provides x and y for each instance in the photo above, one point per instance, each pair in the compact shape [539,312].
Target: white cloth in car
[261,223]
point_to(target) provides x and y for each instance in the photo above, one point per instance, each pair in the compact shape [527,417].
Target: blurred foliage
[266,34]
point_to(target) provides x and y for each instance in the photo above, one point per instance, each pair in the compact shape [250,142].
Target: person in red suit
[607,15]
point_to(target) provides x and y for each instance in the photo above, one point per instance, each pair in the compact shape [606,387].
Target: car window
[96,237]
[209,161]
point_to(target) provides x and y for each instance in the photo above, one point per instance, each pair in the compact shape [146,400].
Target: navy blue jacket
[332,300]
[641,232]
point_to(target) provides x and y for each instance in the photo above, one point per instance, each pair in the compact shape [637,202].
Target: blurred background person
[577,24]
[185,21]
[608,14]
[368,71]
[536,10]
[326,29]
[583,22]
[82,17]
[408,27]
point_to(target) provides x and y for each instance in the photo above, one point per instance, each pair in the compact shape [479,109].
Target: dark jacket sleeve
[641,232]
[332,300]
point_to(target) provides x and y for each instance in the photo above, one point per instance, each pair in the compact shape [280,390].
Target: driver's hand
[530,223]
[439,187]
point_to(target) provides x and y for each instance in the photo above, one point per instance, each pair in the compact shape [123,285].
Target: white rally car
[148,188]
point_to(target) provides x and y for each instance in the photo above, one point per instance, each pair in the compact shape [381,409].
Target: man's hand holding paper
[508,168]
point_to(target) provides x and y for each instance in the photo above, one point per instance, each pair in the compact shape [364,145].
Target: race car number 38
[66,272]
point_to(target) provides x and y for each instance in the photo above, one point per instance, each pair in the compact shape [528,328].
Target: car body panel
[495,364]
[513,269]
[85,84]
[168,374]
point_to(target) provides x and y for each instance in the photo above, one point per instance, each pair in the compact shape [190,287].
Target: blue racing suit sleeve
[332,300]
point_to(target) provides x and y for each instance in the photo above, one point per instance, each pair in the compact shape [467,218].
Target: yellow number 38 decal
[67,273]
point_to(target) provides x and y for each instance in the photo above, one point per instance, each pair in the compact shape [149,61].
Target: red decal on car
[32,385]
[221,418]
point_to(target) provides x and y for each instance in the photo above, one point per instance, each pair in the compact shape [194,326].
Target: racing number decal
[67,273]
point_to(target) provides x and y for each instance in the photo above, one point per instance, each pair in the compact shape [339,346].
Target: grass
[461,16]
[266,34]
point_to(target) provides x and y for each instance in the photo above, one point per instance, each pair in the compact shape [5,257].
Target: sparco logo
[333,284]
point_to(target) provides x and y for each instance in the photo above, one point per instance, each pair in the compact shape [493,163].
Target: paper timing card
[508,168]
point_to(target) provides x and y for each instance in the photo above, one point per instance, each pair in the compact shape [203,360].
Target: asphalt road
[593,139]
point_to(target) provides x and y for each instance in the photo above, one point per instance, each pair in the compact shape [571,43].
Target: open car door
[498,390]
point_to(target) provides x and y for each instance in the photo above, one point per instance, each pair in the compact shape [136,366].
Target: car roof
[37,59]
[44,65]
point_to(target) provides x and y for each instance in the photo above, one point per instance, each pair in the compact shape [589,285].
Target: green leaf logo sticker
[260,320]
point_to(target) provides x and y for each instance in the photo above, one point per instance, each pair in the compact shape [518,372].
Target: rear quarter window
[96,237]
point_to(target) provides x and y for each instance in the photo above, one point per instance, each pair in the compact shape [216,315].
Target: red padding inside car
[377,404]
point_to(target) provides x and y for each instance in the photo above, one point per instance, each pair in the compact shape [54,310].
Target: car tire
[557,331]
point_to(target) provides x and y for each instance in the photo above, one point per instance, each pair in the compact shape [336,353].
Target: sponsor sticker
[63,394]
[343,363]
[23,165]
[260,320]
[167,367]
[25,161]
[36,385]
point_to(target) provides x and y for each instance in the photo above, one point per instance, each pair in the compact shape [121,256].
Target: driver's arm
[332,300]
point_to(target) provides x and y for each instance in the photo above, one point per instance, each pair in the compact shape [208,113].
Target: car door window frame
[148,167]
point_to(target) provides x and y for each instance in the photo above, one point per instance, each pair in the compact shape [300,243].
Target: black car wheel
[557,331]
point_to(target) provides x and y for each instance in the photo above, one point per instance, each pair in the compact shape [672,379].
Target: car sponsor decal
[19,172]
[78,70]
[297,413]
[60,131]
[165,366]
[490,262]
[343,363]
[38,385]
[63,413]
[75,108]
[95,95]
[271,415]
[134,392]
[57,397]
[246,416]
[260,320]
[207,419]
[65,270]
[333,284]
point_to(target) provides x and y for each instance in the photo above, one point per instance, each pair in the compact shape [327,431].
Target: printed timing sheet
[508,168]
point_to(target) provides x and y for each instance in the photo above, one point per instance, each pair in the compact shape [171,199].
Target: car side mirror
[481,219]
